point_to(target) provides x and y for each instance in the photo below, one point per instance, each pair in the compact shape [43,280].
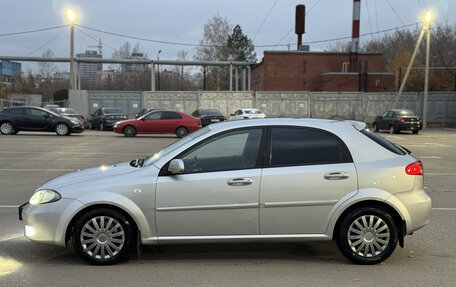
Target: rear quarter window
[383,142]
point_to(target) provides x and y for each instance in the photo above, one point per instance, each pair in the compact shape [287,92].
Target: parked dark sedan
[105,118]
[397,120]
[13,120]
[208,116]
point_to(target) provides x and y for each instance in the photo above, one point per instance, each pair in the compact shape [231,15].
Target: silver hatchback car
[256,180]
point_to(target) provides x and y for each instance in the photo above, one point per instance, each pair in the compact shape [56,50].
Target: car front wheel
[102,237]
[7,128]
[62,129]
[367,235]
[129,131]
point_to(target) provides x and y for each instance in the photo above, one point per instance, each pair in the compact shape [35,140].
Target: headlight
[44,196]
[75,122]
[116,125]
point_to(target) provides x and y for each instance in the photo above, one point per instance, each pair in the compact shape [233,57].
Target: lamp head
[71,15]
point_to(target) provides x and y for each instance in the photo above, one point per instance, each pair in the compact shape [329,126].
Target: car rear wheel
[392,130]
[375,127]
[7,128]
[102,237]
[181,132]
[129,131]
[62,129]
[367,235]
[415,132]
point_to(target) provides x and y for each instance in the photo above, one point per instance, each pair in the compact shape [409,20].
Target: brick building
[321,71]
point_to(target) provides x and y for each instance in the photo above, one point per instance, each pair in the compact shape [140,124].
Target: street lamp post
[426,27]
[428,19]
[158,70]
[71,16]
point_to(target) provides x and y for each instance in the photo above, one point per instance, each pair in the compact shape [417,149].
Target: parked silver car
[256,180]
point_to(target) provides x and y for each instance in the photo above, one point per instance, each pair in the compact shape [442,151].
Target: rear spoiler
[358,125]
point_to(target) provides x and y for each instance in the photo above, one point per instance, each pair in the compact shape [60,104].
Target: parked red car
[159,122]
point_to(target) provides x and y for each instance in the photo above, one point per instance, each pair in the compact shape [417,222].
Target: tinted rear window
[210,113]
[301,146]
[383,142]
[113,111]
[405,113]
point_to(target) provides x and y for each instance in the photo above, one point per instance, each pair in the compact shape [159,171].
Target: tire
[7,128]
[367,235]
[392,130]
[181,132]
[375,127]
[415,132]
[62,129]
[102,127]
[102,237]
[129,131]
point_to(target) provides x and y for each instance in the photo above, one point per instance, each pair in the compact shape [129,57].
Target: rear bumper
[416,208]
[409,127]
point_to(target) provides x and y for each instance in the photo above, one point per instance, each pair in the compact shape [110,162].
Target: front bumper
[47,223]
[77,129]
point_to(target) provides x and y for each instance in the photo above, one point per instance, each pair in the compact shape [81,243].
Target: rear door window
[305,146]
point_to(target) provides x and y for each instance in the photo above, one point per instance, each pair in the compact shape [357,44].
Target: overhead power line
[265,18]
[397,15]
[32,31]
[91,37]
[48,42]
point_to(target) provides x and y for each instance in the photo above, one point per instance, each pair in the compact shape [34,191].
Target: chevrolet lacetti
[254,180]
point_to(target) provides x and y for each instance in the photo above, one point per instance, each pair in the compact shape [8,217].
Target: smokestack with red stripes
[355,30]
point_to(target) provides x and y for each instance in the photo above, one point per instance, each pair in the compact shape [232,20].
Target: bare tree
[47,69]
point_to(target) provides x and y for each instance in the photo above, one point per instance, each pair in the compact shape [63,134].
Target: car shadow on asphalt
[25,253]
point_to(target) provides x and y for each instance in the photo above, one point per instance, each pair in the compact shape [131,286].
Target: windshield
[152,159]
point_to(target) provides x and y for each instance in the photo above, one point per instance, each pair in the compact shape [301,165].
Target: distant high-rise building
[9,70]
[89,71]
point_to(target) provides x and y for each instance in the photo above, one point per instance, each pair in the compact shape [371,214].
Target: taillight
[106,117]
[415,168]
[421,121]
[80,118]
[401,120]
[223,118]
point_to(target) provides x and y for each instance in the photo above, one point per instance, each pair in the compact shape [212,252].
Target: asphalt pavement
[29,159]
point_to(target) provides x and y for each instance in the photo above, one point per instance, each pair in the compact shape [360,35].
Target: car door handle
[240,181]
[336,175]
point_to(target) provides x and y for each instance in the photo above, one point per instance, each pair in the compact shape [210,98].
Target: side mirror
[231,114]
[176,166]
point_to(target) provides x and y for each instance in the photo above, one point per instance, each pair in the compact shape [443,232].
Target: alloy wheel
[6,128]
[61,129]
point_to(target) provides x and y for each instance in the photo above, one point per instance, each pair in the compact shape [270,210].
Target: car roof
[310,122]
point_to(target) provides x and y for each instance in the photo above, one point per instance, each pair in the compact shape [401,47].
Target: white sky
[183,21]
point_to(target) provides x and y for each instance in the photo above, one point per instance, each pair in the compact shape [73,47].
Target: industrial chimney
[355,30]
[300,23]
